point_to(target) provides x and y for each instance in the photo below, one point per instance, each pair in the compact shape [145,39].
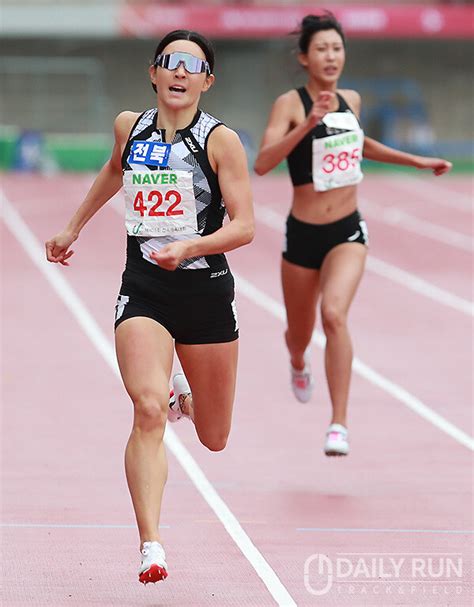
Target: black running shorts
[307,244]
[195,306]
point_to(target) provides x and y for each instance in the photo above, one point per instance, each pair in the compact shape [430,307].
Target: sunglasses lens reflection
[191,64]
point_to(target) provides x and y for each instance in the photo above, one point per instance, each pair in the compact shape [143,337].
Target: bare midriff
[323,207]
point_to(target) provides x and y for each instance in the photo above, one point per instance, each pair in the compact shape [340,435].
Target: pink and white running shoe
[153,567]
[302,381]
[336,440]
[179,392]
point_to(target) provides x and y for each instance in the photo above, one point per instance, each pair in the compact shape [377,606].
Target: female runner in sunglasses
[316,127]
[181,171]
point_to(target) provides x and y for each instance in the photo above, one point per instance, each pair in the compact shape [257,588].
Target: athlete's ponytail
[312,24]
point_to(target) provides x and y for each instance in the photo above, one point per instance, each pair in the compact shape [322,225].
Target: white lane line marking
[363,530]
[420,286]
[394,216]
[276,221]
[74,304]
[275,308]
[70,526]
[437,193]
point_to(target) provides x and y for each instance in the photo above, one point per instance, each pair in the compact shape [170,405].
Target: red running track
[401,499]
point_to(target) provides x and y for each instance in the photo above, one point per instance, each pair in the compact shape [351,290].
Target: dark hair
[312,24]
[195,37]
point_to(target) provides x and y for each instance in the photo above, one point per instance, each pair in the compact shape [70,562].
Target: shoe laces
[301,378]
[176,402]
[337,432]
[149,547]
[302,381]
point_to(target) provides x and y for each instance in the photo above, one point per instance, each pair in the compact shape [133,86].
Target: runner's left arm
[374,150]
[228,159]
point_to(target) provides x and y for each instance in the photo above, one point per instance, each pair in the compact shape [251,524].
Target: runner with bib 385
[317,129]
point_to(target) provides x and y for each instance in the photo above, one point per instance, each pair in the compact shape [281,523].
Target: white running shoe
[153,567]
[302,381]
[180,390]
[336,440]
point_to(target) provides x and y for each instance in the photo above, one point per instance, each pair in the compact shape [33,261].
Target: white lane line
[420,286]
[388,530]
[70,526]
[437,193]
[275,308]
[276,221]
[74,304]
[394,216]
[302,529]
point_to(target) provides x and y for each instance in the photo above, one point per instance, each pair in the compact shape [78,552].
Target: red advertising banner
[359,21]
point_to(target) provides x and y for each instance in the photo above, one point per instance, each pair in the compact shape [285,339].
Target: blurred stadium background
[69,67]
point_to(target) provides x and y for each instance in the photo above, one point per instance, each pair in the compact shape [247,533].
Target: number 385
[342,162]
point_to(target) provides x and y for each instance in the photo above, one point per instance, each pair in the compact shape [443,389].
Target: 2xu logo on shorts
[217,274]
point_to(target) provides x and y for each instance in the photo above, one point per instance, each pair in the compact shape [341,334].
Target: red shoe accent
[301,382]
[154,574]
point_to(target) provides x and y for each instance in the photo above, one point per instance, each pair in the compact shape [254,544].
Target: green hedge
[78,153]
[59,152]
[89,152]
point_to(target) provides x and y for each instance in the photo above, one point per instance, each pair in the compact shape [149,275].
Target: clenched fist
[57,248]
[171,255]
[320,108]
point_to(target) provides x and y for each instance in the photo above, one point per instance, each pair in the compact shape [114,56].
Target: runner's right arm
[280,138]
[107,183]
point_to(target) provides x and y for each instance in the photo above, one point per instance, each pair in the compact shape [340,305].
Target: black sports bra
[300,158]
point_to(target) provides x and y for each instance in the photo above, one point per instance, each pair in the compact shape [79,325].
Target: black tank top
[300,158]
[189,153]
